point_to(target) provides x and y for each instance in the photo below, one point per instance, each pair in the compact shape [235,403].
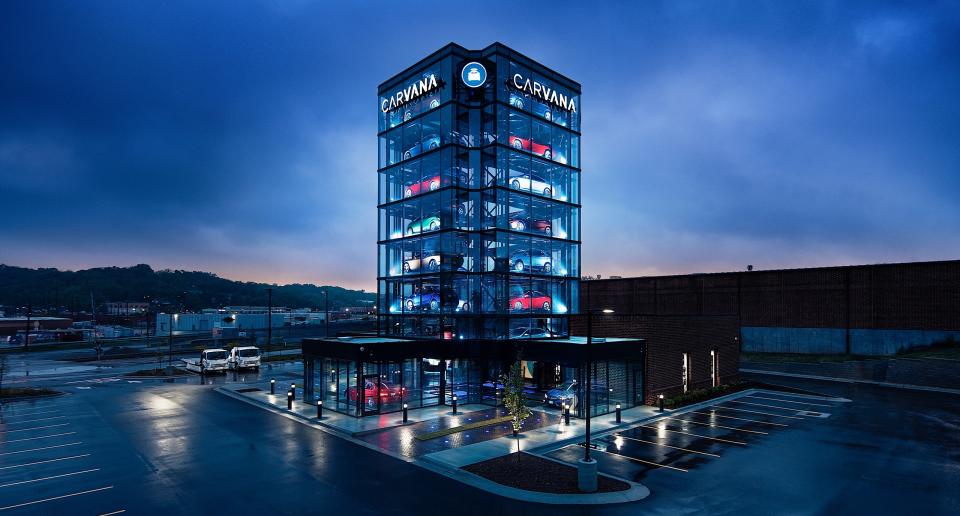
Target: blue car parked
[430,142]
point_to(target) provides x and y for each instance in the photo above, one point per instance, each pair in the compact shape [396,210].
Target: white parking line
[739,418]
[717,426]
[49,478]
[667,446]
[762,405]
[643,461]
[121,511]
[789,401]
[55,498]
[34,428]
[715,407]
[31,413]
[38,437]
[45,461]
[40,449]
[694,435]
[34,420]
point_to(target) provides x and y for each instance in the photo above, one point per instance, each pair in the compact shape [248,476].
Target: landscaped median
[538,474]
[18,393]
[462,428]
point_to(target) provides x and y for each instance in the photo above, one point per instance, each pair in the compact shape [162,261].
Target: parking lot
[46,462]
[681,442]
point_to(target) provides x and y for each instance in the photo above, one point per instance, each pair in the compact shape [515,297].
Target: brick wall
[909,296]
[667,338]
[922,295]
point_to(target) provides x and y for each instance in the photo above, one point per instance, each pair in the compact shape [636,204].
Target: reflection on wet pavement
[401,440]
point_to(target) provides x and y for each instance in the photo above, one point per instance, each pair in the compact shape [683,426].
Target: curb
[848,380]
[636,492]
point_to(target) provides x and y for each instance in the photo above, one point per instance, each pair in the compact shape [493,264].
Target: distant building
[212,320]
[126,307]
[12,325]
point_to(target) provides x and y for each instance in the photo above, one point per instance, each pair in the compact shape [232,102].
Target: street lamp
[326,311]
[587,467]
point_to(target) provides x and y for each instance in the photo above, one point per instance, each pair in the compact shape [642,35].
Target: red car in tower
[528,144]
[531,299]
[388,393]
[428,184]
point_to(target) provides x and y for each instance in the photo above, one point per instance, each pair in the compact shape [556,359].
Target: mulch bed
[534,473]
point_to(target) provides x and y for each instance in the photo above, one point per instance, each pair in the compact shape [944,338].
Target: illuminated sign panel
[544,93]
[413,91]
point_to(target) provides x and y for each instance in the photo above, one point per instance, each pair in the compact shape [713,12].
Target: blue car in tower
[430,142]
[538,108]
[531,261]
[423,300]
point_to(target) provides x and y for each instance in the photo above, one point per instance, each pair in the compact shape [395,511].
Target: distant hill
[193,290]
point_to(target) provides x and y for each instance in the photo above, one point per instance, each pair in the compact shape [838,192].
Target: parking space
[45,462]
[680,442]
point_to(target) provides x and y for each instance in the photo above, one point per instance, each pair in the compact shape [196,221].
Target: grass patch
[282,358]
[26,392]
[797,358]
[462,428]
[157,371]
[948,349]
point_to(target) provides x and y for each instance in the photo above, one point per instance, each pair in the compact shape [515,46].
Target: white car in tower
[531,183]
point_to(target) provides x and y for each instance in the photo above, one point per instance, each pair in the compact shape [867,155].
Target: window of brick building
[715,367]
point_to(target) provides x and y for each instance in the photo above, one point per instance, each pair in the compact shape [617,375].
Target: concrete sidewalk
[532,440]
[341,423]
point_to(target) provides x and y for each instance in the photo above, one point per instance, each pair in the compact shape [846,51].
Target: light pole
[170,343]
[587,467]
[270,318]
[326,310]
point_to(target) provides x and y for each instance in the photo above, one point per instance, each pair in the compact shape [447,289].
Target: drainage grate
[248,389]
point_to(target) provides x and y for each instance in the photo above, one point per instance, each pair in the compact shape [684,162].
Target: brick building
[705,346]
[859,309]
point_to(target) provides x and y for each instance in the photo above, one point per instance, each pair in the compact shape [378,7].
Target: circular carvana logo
[473,74]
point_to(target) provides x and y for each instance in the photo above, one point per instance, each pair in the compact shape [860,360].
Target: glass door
[369,399]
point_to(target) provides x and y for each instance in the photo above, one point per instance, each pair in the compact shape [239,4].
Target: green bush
[699,395]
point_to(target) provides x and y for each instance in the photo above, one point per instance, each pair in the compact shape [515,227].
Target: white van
[244,357]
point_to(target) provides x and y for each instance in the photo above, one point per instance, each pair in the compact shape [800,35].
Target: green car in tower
[430,223]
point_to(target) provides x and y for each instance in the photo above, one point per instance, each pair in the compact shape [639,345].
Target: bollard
[293,389]
[319,409]
[454,404]
[289,400]
[566,415]
[273,386]
[661,402]
[404,412]
[618,413]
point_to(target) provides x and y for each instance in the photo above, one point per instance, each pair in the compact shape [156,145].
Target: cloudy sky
[240,137]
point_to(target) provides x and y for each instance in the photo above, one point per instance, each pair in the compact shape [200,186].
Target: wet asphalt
[181,448]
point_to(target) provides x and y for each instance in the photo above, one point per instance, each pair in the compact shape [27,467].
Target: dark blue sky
[240,137]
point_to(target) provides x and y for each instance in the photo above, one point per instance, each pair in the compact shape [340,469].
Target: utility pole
[26,338]
[326,317]
[170,343]
[269,317]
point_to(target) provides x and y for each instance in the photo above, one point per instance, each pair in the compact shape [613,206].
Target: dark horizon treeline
[70,291]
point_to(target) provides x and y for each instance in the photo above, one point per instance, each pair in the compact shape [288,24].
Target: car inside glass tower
[479,192]
[478,248]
